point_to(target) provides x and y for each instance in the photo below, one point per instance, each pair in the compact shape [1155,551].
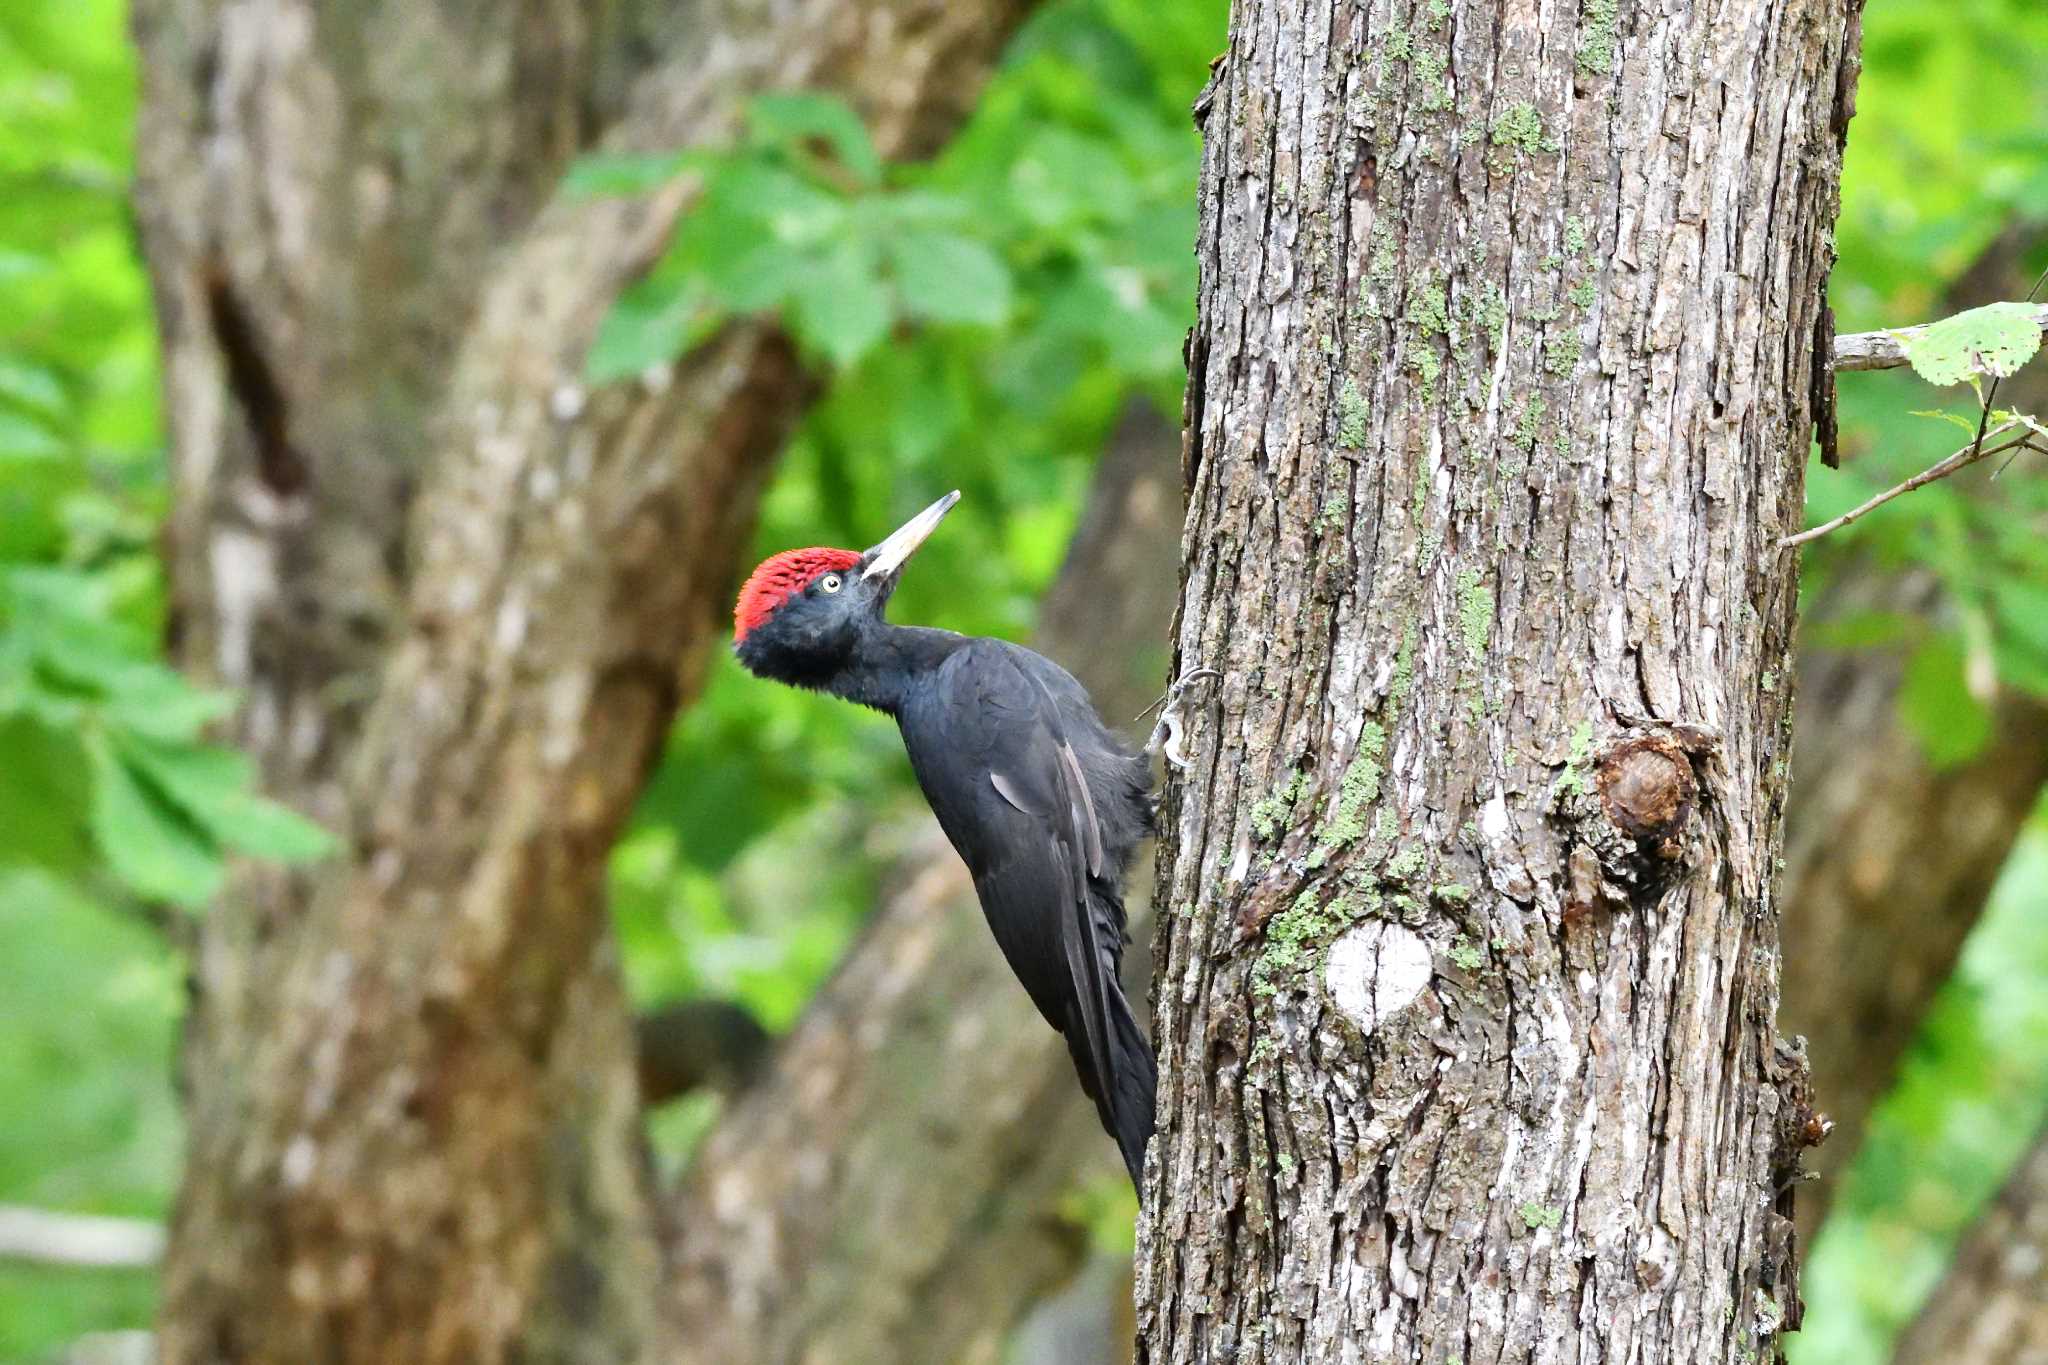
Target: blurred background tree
[774,825]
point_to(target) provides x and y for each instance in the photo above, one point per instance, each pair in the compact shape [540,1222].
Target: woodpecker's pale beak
[885,559]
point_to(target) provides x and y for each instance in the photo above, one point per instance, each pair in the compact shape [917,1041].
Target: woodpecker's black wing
[992,738]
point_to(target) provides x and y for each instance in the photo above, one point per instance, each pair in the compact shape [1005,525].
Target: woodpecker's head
[801,613]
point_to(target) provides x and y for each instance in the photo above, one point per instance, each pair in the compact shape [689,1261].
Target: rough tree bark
[889,1190]
[413,1119]
[1498,402]
[1992,1306]
[1888,861]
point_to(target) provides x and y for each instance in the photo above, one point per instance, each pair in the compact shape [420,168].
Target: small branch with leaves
[1888,349]
[1994,340]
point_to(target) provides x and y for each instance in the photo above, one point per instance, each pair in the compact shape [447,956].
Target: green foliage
[85,1069]
[101,737]
[102,743]
[1936,703]
[1972,1092]
[1055,233]
[796,220]
[1993,340]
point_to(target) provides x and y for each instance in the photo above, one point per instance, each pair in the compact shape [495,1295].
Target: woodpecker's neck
[887,660]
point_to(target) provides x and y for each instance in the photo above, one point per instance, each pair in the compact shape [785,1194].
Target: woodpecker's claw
[1166,735]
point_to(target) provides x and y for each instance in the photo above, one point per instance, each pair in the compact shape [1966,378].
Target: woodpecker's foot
[1166,735]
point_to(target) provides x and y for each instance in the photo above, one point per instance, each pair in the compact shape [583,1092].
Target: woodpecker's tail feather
[1134,1087]
[1123,1099]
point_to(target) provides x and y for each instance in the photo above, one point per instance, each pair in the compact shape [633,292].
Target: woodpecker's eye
[829,583]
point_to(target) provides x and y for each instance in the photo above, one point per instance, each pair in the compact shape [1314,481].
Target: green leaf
[1935,702]
[43,799]
[1855,630]
[1968,424]
[1996,340]
[22,438]
[794,210]
[148,842]
[31,386]
[763,278]
[949,278]
[615,173]
[2021,610]
[210,785]
[796,119]
[842,307]
[155,701]
[652,323]
[264,828]
[1062,177]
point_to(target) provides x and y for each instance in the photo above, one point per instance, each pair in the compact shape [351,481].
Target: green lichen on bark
[1529,422]
[1598,33]
[1270,812]
[1576,769]
[1351,415]
[1404,667]
[1297,936]
[1356,791]
[1521,128]
[1466,954]
[1561,353]
[1491,313]
[1475,610]
[1430,66]
[1430,313]
[1407,865]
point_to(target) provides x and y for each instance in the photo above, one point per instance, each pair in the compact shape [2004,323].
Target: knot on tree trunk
[1647,786]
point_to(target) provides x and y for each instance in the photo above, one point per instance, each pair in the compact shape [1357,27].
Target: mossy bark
[1498,404]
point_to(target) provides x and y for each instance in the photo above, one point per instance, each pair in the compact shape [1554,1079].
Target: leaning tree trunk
[1498,405]
[1992,1306]
[412,1113]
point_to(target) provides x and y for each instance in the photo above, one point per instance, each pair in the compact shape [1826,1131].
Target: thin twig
[2039,280]
[1962,459]
[77,1239]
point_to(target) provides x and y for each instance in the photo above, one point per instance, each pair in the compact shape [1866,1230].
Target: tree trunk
[413,1123]
[1889,860]
[889,1191]
[1498,405]
[1992,1306]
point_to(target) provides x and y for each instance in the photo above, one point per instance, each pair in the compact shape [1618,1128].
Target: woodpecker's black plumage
[1042,801]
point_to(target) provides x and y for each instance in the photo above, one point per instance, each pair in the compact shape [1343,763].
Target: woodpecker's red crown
[781,577]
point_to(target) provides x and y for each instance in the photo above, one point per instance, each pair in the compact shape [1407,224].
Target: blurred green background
[1071,196]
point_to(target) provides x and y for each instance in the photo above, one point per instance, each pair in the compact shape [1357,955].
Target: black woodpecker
[1042,801]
